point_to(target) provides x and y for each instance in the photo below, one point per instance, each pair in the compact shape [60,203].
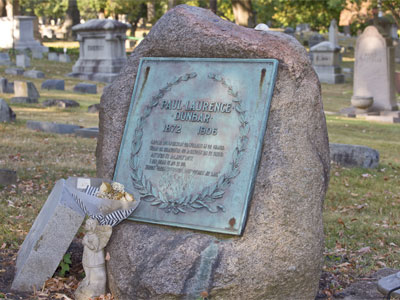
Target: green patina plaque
[193,139]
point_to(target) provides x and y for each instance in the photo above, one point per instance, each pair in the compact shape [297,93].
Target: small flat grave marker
[192,141]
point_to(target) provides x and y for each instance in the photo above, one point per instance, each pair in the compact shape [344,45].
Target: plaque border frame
[259,143]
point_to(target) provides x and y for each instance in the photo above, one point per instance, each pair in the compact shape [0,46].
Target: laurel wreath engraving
[209,195]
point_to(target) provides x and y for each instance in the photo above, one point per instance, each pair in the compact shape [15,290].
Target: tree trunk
[72,18]
[12,8]
[3,11]
[172,3]
[243,11]
[213,6]
[151,11]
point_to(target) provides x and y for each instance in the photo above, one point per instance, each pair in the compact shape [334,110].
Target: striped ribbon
[112,219]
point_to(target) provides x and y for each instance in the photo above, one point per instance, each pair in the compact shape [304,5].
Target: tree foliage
[44,8]
[317,13]
[276,13]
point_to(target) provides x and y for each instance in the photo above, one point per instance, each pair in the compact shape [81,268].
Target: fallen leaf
[108,257]
[344,265]
[340,221]
[364,250]
[381,264]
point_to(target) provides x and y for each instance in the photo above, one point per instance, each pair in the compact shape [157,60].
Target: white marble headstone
[374,70]
[333,34]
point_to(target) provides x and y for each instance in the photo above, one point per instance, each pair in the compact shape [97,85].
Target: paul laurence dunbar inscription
[193,139]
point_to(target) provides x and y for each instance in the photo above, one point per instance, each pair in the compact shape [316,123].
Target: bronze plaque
[193,140]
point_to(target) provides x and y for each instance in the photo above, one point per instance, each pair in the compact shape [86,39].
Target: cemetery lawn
[40,159]
[362,206]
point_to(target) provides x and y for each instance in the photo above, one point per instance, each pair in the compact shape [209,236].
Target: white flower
[118,187]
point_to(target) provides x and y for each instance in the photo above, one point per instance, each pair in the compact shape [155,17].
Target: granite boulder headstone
[279,255]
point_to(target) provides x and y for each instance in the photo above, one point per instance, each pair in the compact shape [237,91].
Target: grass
[40,159]
[362,206]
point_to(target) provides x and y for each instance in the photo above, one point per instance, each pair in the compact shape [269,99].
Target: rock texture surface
[279,255]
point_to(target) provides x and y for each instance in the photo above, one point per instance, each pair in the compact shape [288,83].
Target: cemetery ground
[361,210]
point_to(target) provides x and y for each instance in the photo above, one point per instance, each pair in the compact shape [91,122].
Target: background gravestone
[52,56]
[315,39]
[25,92]
[6,113]
[326,62]
[53,84]
[334,34]
[279,255]
[102,49]
[23,61]
[4,59]
[34,74]
[374,70]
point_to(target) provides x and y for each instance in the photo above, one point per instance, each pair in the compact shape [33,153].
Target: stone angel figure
[93,261]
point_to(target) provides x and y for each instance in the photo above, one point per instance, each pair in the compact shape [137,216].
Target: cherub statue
[93,261]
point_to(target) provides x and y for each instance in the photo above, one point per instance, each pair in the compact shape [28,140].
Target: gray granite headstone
[6,113]
[4,87]
[34,74]
[23,61]
[10,87]
[103,41]
[14,71]
[4,59]
[53,84]
[326,62]
[354,155]
[7,177]
[52,127]
[52,56]
[20,34]
[289,31]
[87,132]
[315,39]
[386,284]
[25,92]
[37,54]
[94,108]
[333,34]
[86,88]
[64,58]
[47,241]
[64,103]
